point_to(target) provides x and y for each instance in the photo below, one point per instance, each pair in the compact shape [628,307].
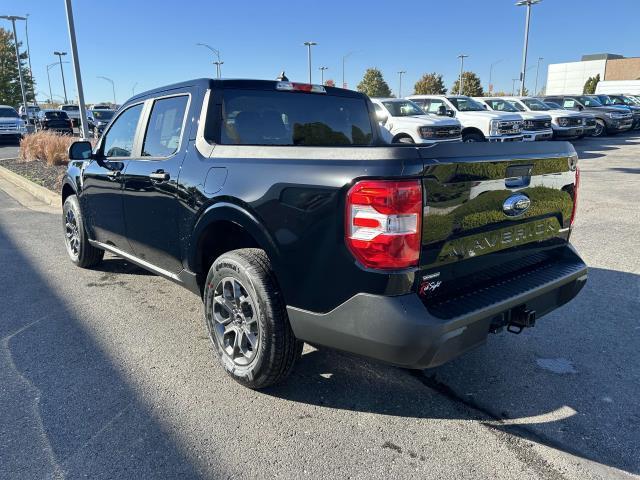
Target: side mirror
[451,113]
[485,107]
[382,118]
[81,150]
[442,111]
[580,107]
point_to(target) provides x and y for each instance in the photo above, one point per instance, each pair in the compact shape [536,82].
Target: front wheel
[600,130]
[472,137]
[80,251]
[247,319]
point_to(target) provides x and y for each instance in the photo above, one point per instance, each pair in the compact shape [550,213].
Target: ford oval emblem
[516,205]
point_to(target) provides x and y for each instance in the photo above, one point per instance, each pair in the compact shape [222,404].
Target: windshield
[555,105]
[6,112]
[403,109]
[465,104]
[588,101]
[501,106]
[259,117]
[618,100]
[70,108]
[535,105]
[631,101]
[102,114]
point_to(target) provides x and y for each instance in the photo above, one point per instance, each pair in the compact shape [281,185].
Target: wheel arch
[223,227]
[67,190]
[468,130]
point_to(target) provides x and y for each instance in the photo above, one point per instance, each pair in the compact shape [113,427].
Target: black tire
[80,251]
[472,137]
[247,320]
[600,130]
[403,139]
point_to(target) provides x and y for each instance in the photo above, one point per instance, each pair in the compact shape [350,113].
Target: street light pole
[216,52]
[12,19]
[400,73]
[513,86]
[49,67]
[491,74]
[344,57]
[113,87]
[528,4]
[84,127]
[309,45]
[535,90]
[461,57]
[26,34]
[64,86]
[322,69]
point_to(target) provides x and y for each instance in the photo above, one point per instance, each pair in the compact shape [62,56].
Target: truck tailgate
[491,209]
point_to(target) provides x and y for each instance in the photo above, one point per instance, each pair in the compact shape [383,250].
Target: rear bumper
[402,331]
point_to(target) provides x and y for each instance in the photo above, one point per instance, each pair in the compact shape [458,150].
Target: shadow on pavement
[67,410]
[570,383]
[591,147]
[626,169]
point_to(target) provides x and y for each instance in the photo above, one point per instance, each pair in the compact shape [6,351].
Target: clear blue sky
[153,42]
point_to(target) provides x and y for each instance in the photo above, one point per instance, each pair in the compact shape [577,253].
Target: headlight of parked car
[616,115]
[563,122]
[427,132]
[494,126]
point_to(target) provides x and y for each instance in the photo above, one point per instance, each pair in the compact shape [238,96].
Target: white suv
[405,122]
[535,126]
[478,123]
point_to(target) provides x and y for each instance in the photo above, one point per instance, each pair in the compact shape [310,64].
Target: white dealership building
[570,77]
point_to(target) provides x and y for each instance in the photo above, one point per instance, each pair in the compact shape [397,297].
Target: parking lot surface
[108,373]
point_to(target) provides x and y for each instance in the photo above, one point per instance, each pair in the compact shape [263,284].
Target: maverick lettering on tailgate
[500,239]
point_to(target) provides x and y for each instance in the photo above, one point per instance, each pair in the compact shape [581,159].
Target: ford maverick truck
[282,207]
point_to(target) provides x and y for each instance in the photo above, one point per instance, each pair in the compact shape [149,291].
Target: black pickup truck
[279,204]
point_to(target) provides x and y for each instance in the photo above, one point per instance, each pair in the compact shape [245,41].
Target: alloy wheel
[234,321]
[71,233]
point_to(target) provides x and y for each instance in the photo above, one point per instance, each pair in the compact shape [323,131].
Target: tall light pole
[344,57]
[133,89]
[535,90]
[26,34]
[84,126]
[528,4]
[400,73]
[216,52]
[113,87]
[461,57]
[322,69]
[49,67]
[64,86]
[309,45]
[12,19]
[513,86]
[491,74]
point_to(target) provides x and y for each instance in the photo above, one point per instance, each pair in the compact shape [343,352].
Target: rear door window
[257,117]
[164,130]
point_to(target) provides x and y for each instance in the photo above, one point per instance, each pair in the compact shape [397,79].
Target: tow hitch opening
[515,320]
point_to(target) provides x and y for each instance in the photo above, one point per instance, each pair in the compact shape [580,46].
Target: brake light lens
[576,187]
[300,87]
[383,223]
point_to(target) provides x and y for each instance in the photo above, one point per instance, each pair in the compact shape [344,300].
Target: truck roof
[240,83]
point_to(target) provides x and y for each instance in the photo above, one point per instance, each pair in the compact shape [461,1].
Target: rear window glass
[59,115]
[256,117]
[70,108]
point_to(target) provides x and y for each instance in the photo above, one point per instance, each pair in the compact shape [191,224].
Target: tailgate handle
[518,176]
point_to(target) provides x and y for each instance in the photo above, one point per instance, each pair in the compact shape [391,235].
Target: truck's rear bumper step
[401,330]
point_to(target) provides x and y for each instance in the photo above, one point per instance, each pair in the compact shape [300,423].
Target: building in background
[569,78]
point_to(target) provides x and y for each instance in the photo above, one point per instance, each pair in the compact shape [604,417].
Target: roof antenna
[282,77]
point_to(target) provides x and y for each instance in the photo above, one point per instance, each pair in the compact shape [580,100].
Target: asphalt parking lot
[108,373]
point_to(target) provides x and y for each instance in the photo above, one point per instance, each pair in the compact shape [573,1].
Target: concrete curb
[43,194]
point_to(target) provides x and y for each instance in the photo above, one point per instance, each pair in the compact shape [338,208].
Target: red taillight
[383,223]
[300,87]
[576,187]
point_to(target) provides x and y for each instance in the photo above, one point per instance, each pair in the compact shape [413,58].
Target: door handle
[160,175]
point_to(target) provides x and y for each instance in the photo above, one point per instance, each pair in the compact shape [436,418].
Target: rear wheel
[247,319]
[80,251]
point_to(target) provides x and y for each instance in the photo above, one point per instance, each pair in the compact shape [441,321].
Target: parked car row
[421,118]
